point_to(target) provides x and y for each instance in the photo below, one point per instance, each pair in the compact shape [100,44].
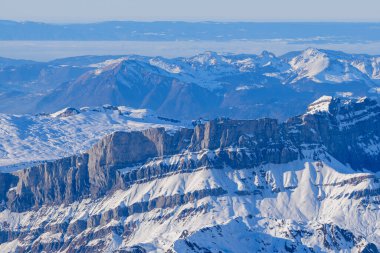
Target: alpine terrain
[162,126]
[117,179]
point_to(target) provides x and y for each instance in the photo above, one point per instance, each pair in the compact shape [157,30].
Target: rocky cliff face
[348,129]
[282,180]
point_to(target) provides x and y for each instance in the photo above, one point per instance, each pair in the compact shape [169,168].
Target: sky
[83,11]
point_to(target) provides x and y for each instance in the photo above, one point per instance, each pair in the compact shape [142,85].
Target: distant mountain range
[298,32]
[207,85]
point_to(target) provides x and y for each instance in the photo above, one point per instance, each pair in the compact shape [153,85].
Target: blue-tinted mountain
[211,84]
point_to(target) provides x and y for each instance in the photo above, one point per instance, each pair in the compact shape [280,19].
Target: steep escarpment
[346,131]
[89,174]
[201,178]
[121,149]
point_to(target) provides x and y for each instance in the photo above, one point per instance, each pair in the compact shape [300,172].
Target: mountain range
[211,153]
[237,86]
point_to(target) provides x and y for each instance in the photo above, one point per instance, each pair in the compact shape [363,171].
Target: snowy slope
[30,139]
[321,67]
[301,205]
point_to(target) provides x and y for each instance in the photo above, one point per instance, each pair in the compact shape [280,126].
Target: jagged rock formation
[273,186]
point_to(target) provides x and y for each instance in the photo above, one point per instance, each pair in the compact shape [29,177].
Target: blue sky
[194,10]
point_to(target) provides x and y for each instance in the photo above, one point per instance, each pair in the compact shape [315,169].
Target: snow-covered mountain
[309,184]
[99,176]
[324,66]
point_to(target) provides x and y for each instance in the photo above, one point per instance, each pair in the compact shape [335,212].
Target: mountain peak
[312,51]
[208,57]
[107,65]
[267,54]
[309,64]
[66,112]
[322,104]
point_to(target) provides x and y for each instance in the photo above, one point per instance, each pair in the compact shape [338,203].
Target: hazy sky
[192,10]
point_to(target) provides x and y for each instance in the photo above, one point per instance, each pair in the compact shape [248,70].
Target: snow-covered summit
[309,64]
[107,65]
[66,112]
[320,105]
[345,108]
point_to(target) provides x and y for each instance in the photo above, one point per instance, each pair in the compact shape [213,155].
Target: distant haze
[49,50]
[41,41]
